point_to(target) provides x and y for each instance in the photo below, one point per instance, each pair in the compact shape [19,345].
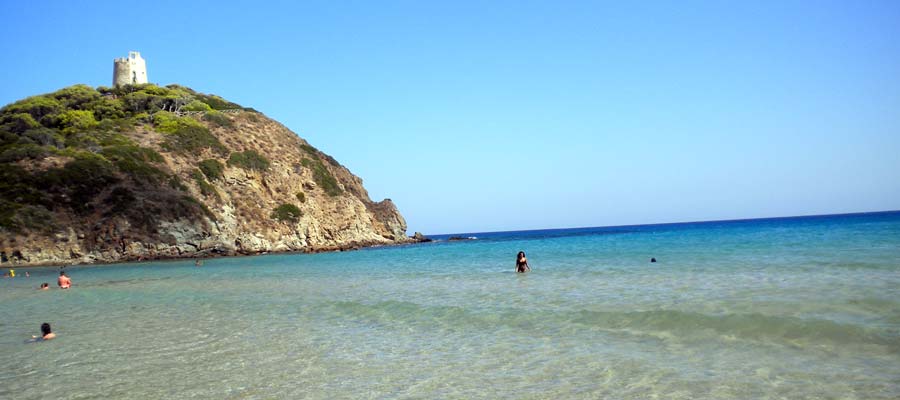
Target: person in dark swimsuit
[522,263]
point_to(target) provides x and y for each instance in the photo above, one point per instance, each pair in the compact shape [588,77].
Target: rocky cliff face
[178,184]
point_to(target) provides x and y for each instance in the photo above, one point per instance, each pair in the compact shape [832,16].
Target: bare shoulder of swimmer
[47,337]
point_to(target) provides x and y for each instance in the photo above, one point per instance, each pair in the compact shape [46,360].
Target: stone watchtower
[131,70]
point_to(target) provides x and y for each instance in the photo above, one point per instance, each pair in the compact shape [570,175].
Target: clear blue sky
[479,116]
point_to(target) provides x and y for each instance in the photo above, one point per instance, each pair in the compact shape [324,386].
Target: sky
[511,115]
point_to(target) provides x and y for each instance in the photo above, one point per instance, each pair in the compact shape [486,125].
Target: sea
[783,308]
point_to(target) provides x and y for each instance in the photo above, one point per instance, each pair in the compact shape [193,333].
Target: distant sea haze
[801,307]
[617,229]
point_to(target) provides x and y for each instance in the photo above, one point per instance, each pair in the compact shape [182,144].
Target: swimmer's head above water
[46,332]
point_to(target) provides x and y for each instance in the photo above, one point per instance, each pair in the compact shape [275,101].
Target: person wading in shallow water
[522,263]
[64,281]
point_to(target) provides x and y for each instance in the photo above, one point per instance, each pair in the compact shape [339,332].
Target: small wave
[747,326]
[683,324]
[117,282]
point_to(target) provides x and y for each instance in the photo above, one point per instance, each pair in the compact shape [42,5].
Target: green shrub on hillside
[107,173]
[42,137]
[167,122]
[322,176]
[179,88]
[218,118]
[18,122]
[18,187]
[301,196]
[135,161]
[315,153]
[142,117]
[120,200]
[94,140]
[216,102]
[77,97]
[287,212]
[18,218]
[196,105]
[192,202]
[36,106]
[249,160]
[81,180]
[205,188]
[213,169]
[141,102]
[24,151]
[130,151]
[117,124]
[309,150]
[140,171]
[154,90]
[75,121]
[175,183]
[150,98]
[108,109]
[185,134]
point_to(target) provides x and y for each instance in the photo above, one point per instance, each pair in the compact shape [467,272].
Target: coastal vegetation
[322,176]
[205,187]
[186,134]
[218,119]
[139,172]
[287,212]
[212,168]
[136,162]
[74,151]
[249,160]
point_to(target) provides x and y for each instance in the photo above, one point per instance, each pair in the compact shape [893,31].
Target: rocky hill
[148,172]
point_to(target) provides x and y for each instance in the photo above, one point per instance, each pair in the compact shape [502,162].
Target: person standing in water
[64,281]
[522,263]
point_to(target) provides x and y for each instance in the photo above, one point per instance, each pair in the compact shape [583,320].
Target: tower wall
[129,70]
[121,73]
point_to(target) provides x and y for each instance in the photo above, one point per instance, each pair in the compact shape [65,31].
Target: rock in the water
[419,237]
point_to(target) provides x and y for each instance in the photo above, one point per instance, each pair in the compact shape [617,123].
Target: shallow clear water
[789,308]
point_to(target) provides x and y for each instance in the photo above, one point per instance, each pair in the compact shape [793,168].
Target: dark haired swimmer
[44,286]
[522,263]
[46,333]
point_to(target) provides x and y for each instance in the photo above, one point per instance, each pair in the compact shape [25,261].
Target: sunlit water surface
[790,308]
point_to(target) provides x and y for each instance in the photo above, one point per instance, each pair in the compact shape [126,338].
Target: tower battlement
[131,70]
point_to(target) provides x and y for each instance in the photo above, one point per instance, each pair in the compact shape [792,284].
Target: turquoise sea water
[787,308]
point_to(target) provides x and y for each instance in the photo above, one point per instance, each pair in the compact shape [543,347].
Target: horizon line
[676,223]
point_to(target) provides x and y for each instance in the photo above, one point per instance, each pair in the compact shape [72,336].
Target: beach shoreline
[209,254]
